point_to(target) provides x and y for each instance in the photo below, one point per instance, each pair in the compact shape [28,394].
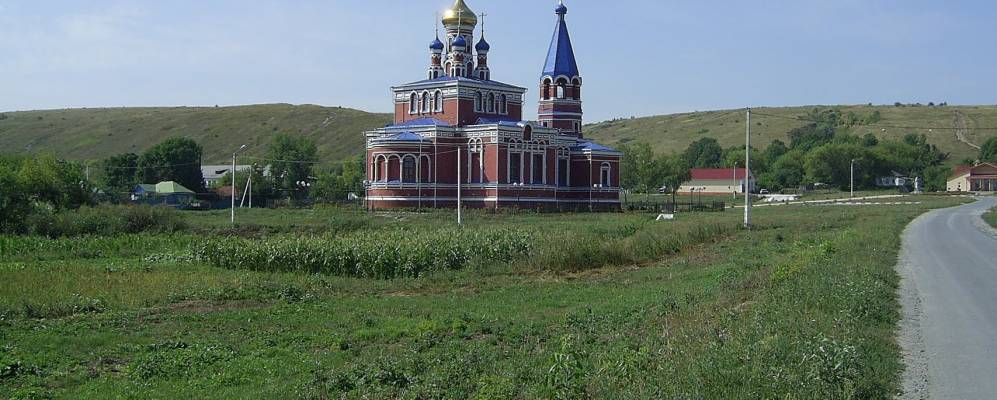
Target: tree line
[819,152]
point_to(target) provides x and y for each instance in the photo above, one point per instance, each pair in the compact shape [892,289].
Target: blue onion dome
[483,45]
[436,45]
[561,8]
[460,42]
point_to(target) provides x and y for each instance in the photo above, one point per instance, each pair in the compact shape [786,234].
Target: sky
[637,57]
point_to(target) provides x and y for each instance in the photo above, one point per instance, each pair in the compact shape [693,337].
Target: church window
[438,101]
[504,104]
[538,169]
[491,102]
[425,102]
[605,176]
[408,169]
[413,105]
[478,102]
[562,88]
[577,90]
[546,89]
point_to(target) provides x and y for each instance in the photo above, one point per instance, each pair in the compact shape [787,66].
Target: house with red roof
[973,178]
[718,181]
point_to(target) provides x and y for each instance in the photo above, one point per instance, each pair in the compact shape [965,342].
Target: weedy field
[331,303]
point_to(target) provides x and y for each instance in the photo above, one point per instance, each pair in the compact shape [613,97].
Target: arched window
[449,69]
[425,102]
[545,92]
[503,104]
[561,87]
[413,104]
[577,90]
[438,101]
[470,68]
[408,169]
[491,102]
[478,103]
[605,175]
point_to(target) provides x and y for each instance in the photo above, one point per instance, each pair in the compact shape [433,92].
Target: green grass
[91,134]
[671,133]
[991,217]
[803,306]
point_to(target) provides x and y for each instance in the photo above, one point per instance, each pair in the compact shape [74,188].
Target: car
[763,191]
[663,189]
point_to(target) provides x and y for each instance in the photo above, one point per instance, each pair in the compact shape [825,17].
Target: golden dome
[467,17]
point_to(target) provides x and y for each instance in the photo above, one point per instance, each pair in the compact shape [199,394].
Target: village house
[715,181]
[977,178]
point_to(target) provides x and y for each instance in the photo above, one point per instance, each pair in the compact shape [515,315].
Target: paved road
[949,293]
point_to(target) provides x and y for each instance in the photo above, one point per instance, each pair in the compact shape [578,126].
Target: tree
[787,171]
[640,168]
[988,152]
[734,157]
[704,153]
[775,150]
[831,164]
[912,155]
[120,172]
[870,140]
[336,183]
[262,187]
[674,171]
[292,158]
[819,132]
[936,178]
[175,159]
[14,203]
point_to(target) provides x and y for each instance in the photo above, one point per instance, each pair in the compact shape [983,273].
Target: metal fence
[669,207]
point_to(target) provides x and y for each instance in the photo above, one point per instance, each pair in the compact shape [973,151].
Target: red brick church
[458,133]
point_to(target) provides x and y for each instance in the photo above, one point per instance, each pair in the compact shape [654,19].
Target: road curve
[949,293]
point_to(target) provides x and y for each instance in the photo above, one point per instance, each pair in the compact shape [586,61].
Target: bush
[104,220]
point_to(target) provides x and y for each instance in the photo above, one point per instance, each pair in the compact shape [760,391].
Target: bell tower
[561,83]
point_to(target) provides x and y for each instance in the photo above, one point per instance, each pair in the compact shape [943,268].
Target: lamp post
[234,154]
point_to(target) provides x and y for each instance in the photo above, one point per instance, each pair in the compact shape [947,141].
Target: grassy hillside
[98,133]
[83,134]
[673,133]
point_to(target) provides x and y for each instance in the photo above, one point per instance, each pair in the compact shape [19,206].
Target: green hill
[90,134]
[673,133]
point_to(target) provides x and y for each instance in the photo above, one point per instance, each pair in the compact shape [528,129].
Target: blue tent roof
[560,55]
[592,146]
[405,137]
[420,122]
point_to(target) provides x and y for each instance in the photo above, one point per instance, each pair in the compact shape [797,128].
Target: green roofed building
[164,193]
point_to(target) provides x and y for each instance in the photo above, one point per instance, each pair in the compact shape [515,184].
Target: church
[459,136]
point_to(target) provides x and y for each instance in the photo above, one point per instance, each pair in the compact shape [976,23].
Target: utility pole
[234,154]
[747,171]
[460,221]
[852,180]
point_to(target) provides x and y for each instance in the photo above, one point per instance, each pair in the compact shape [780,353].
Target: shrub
[104,220]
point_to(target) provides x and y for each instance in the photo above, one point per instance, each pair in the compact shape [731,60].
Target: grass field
[991,217]
[673,133]
[601,306]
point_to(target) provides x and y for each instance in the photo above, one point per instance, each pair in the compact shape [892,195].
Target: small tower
[436,59]
[561,83]
[459,22]
[482,48]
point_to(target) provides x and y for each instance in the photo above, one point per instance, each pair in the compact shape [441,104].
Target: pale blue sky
[638,57]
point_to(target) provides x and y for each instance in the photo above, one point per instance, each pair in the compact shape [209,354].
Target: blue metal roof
[592,146]
[560,55]
[420,122]
[500,121]
[483,45]
[436,44]
[461,79]
[404,137]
